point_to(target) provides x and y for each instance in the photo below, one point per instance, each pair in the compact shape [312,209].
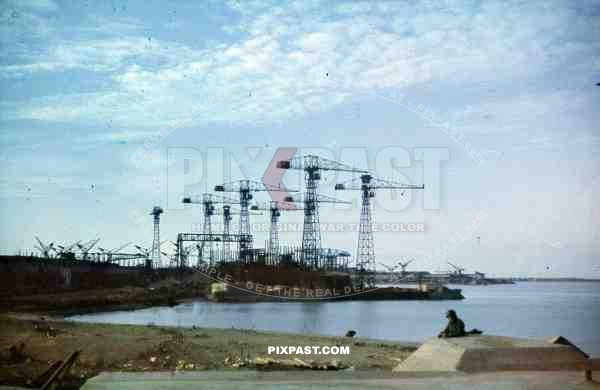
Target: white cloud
[391,45]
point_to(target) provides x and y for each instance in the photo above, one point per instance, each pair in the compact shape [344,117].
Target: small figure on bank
[455,327]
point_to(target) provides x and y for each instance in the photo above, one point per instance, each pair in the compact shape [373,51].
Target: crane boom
[91,245]
[209,198]
[321,199]
[313,161]
[248,185]
[70,247]
[120,248]
[40,242]
[373,183]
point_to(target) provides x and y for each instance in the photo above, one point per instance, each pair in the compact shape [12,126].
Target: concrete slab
[493,353]
[252,380]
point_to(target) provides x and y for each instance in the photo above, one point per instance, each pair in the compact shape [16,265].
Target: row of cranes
[407,260]
[64,251]
[367,184]
[89,251]
[311,249]
[208,202]
[311,253]
[455,275]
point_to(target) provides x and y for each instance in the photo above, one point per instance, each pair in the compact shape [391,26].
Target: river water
[525,309]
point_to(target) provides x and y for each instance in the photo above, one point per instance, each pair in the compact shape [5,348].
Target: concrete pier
[494,353]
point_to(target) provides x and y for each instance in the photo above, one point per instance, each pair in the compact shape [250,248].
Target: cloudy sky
[84,85]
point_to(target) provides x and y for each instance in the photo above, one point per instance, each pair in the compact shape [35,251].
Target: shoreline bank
[30,344]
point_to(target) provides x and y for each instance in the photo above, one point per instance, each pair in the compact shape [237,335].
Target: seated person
[455,327]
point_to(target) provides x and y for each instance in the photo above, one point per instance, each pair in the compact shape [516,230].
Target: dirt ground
[38,342]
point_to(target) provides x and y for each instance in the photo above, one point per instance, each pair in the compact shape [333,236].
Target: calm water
[525,309]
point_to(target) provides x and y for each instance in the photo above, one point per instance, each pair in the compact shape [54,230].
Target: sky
[85,86]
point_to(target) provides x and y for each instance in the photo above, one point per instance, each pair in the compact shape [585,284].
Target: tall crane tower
[155,253]
[245,188]
[312,165]
[226,221]
[365,255]
[208,202]
[275,209]
[227,218]
[319,199]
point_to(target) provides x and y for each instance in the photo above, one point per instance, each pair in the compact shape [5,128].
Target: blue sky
[84,84]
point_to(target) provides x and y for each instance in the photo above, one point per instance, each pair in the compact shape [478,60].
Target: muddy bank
[163,293]
[38,343]
[125,298]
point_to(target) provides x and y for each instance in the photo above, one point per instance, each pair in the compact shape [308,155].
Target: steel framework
[245,188]
[208,202]
[203,238]
[155,254]
[365,255]
[312,165]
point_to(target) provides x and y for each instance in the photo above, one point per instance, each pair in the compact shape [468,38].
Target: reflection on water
[523,310]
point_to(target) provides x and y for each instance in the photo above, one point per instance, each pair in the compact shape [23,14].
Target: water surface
[526,309]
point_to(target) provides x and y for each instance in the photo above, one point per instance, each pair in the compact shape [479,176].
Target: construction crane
[320,198]
[312,165]
[245,188]
[367,184]
[227,213]
[405,264]
[275,211]
[87,247]
[389,268]
[109,253]
[143,251]
[146,252]
[154,261]
[226,221]
[66,252]
[208,202]
[103,250]
[457,270]
[288,204]
[45,250]
[182,254]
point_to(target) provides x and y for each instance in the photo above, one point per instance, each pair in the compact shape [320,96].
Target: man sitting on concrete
[455,327]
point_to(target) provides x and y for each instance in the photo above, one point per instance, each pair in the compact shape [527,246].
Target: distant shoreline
[556,280]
